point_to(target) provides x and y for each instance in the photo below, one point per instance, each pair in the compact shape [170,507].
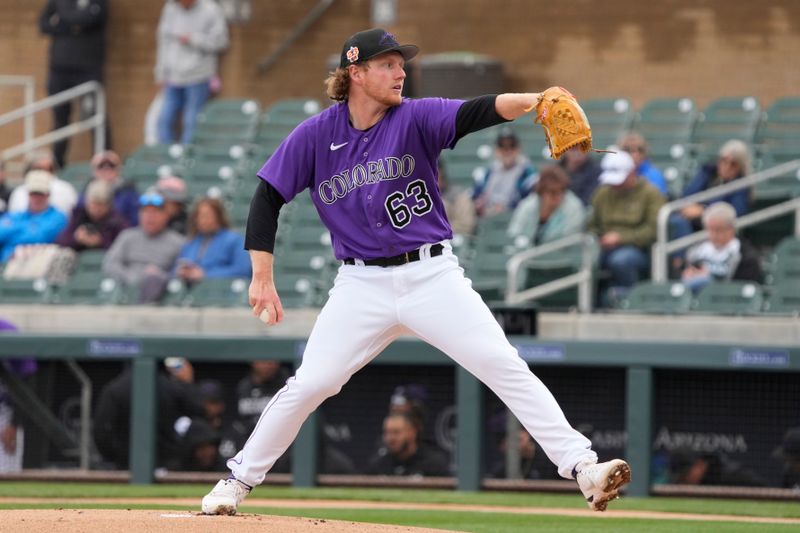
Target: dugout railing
[638,361]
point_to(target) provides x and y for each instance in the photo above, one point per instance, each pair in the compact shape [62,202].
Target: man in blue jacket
[40,224]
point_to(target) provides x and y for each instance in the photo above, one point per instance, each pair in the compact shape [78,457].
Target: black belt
[397,260]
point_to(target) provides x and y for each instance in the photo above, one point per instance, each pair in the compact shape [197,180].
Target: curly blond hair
[337,84]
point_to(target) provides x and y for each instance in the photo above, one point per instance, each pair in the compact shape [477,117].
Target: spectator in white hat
[40,223]
[624,218]
[62,194]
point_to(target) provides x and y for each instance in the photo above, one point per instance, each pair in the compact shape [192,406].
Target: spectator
[213,251]
[723,256]
[144,256]
[457,204]
[39,224]
[198,447]
[5,190]
[77,54]
[95,224]
[175,194]
[634,144]
[789,453]
[190,35]
[527,454]
[583,172]
[111,422]
[507,180]
[734,162]
[107,166]
[62,194]
[411,399]
[691,467]
[624,217]
[402,453]
[551,213]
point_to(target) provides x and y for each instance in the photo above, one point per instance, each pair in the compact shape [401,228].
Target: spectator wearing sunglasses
[636,146]
[107,167]
[63,195]
[144,256]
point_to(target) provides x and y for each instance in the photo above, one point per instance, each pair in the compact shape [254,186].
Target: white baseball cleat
[225,497]
[600,482]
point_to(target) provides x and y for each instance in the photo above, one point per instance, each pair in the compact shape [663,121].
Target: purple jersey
[375,190]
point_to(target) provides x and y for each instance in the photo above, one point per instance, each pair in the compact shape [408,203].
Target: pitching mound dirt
[92,520]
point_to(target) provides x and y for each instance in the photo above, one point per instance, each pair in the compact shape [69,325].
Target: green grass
[474,522]
[514,499]
[471,521]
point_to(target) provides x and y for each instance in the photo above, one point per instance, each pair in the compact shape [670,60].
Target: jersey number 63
[399,212]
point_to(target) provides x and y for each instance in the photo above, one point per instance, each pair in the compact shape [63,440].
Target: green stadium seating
[226,122]
[90,261]
[218,292]
[725,119]
[609,118]
[657,298]
[784,298]
[783,264]
[730,298]
[291,111]
[87,287]
[780,126]
[24,291]
[666,121]
[78,174]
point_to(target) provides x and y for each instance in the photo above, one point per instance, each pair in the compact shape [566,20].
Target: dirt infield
[190,520]
[94,520]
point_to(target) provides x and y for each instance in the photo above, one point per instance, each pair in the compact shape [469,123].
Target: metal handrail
[662,247]
[96,121]
[28,84]
[582,279]
[314,15]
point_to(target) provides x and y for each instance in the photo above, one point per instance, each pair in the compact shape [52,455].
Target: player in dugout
[370,165]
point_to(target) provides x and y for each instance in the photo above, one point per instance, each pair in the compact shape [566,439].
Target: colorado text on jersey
[387,168]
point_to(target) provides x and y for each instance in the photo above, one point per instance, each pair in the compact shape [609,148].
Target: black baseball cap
[367,44]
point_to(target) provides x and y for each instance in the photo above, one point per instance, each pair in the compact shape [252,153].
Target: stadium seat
[609,118]
[218,292]
[784,298]
[658,298]
[24,291]
[783,264]
[780,125]
[87,288]
[210,178]
[666,121]
[730,298]
[226,122]
[291,111]
[78,174]
[90,261]
[725,119]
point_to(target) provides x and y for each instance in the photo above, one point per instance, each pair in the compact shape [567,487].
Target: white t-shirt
[720,262]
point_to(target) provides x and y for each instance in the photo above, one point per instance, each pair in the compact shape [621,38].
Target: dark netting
[722,428]
[593,400]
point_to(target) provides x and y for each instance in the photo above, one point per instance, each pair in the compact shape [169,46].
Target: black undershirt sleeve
[477,114]
[262,221]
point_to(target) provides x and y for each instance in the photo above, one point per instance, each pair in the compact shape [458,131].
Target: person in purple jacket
[369,163]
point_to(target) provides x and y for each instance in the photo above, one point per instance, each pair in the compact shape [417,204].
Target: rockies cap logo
[352,54]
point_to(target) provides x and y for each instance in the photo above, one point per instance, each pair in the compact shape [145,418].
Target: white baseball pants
[368,308]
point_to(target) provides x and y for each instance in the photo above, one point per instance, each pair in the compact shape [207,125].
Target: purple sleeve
[436,118]
[291,168]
